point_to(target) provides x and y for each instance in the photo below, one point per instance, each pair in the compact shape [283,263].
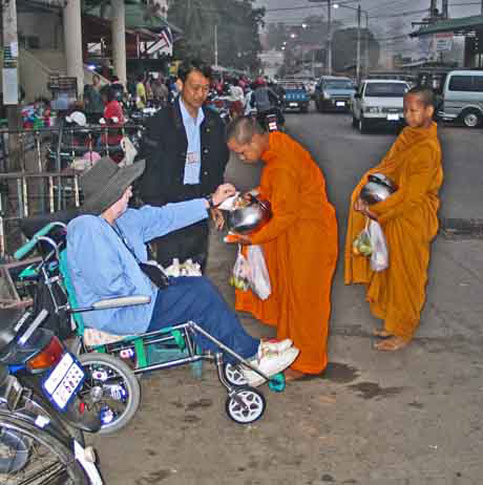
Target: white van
[463,98]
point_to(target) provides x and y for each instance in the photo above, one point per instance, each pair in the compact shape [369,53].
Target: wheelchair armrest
[121,302]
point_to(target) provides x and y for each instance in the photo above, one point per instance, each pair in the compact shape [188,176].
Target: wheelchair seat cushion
[93,337]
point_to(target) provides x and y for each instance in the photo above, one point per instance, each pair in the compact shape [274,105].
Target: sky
[387,18]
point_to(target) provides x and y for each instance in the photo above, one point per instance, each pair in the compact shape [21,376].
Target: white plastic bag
[129,150]
[380,252]
[258,276]
[241,272]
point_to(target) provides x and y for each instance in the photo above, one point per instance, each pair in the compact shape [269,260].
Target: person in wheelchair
[108,258]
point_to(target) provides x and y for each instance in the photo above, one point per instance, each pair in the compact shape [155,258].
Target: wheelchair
[114,362]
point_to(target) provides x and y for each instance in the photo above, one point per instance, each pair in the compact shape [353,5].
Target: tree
[237,24]
[344,45]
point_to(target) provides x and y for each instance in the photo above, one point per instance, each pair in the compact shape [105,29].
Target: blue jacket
[101,266]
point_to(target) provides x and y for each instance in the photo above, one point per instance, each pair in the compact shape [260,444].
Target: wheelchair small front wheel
[246,405]
[234,374]
[111,388]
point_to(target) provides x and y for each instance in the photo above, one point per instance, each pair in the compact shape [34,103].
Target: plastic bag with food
[241,271]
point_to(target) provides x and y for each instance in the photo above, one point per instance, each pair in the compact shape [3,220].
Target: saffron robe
[300,247]
[409,221]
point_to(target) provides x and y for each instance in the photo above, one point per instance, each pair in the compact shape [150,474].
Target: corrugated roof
[462,24]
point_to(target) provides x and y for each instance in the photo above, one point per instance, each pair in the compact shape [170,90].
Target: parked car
[462,98]
[378,102]
[295,96]
[334,93]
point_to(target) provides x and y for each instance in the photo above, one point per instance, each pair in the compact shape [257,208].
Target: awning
[459,25]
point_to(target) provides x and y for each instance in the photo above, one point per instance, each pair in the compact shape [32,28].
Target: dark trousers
[197,299]
[188,243]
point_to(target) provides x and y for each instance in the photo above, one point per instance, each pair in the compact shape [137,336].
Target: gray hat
[105,183]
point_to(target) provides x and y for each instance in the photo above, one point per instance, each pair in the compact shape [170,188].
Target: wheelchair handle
[22,251]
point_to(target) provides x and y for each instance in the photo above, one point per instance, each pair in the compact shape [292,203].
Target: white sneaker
[273,346]
[270,364]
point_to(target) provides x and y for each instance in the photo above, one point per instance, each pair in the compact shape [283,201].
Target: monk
[409,221]
[299,243]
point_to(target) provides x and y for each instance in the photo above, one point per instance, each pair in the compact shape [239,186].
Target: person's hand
[363,207]
[218,218]
[237,239]
[222,193]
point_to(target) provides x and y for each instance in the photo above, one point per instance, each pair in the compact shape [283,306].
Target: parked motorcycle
[41,414]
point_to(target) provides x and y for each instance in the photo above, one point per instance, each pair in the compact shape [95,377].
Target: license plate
[64,381]
[392,117]
[340,103]
[293,104]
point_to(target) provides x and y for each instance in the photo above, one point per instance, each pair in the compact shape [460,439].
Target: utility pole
[216,45]
[329,38]
[10,81]
[358,59]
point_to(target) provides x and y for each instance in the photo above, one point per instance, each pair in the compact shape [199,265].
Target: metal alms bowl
[248,219]
[378,188]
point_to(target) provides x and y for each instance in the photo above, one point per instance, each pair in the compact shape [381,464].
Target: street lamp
[358,62]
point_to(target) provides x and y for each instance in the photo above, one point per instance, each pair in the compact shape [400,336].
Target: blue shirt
[192,166]
[101,266]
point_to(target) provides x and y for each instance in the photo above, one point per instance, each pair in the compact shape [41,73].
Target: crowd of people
[180,182]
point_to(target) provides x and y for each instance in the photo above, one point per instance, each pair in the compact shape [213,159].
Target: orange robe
[300,246]
[409,221]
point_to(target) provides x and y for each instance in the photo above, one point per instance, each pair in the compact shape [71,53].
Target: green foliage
[237,24]
[344,45]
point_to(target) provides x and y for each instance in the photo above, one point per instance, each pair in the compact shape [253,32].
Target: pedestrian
[141,99]
[106,250]
[409,221]
[186,154]
[94,106]
[114,118]
[160,92]
[299,242]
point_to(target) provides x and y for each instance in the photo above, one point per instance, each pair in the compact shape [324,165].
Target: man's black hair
[425,94]
[188,66]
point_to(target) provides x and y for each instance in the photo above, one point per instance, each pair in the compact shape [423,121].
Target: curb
[462,227]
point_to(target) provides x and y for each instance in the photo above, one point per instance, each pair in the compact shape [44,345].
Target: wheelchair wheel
[246,405]
[234,375]
[111,388]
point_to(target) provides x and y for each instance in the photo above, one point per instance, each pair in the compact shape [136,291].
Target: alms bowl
[250,218]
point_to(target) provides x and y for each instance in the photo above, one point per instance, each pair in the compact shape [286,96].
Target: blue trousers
[197,299]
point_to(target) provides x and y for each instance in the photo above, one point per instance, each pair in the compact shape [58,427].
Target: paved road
[408,418]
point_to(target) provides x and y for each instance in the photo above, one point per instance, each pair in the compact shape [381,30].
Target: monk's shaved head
[426,95]
[243,128]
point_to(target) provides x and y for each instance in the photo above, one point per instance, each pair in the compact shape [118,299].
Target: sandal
[381,334]
[391,344]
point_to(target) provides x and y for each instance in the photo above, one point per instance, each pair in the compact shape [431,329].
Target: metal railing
[43,181]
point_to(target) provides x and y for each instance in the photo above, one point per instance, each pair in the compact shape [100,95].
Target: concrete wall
[46,27]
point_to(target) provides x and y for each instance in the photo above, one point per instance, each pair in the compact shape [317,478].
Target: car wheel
[471,118]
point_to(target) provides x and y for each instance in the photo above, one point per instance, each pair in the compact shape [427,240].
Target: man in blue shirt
[186,154]
[106,245]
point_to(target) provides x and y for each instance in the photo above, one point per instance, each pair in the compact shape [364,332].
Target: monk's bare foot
[391,344]
[381,333]
[293,375]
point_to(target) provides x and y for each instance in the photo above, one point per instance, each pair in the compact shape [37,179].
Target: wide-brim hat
[105,183]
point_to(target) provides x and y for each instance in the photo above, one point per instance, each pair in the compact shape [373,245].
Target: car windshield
[342,84]
[386,90]
[293,86]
